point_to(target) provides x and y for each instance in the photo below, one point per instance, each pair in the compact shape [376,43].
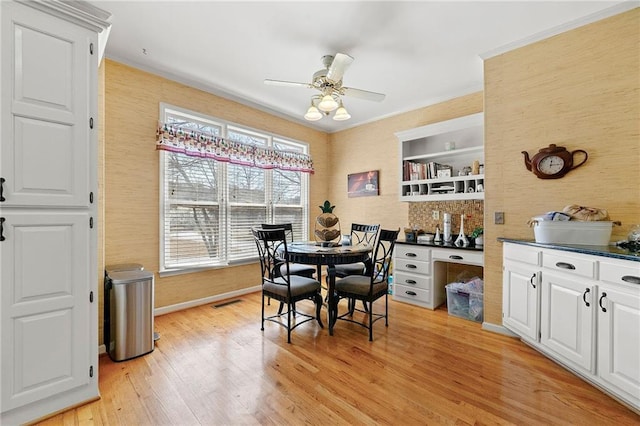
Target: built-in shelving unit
[433,159]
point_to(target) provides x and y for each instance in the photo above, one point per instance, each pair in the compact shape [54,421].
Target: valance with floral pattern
[197,144]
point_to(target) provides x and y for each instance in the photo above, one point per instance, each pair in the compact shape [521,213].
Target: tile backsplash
[421,215]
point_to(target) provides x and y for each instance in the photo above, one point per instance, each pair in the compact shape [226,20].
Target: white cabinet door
[618,337]
[45,150]
[520,290]
[45,279]
[567,318]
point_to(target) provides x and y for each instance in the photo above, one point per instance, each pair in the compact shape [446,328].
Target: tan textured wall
[374,146]
[579,89]
[132,174]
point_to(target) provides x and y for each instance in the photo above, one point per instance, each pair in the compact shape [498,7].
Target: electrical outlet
[498,218]
[435,214]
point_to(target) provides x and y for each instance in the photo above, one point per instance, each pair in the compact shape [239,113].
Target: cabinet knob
[411,266]
[411,293]
[411,255]
[631,279]
[456,257]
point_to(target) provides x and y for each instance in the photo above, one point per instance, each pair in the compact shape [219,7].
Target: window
[208,207]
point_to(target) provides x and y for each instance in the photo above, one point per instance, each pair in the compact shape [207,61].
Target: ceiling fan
[328,82]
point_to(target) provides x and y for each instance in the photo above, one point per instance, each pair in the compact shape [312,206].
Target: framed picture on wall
[364,184]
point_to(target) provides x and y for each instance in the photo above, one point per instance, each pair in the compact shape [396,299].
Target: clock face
[551,165]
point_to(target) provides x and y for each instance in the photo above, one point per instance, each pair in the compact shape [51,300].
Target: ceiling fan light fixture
[327,103]
[341,114]
[313,114]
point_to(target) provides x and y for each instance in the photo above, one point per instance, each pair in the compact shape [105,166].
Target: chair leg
[318,302]
[280,308]
[364,304]
[370,320]
[289,322]
[262,325]
[386,310]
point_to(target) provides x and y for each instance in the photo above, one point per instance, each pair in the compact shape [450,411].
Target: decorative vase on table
[327,224]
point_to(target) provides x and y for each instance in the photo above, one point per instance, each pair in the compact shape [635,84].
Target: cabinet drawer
[413,266]
[411,293]
[620,272]
[406,251]
[522,254]
[412,280]
[580,266]
[459,256]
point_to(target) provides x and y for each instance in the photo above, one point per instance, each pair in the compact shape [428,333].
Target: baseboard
[193,303]
[500,329]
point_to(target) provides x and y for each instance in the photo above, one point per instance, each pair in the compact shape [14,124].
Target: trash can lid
[124,267]
[127,277]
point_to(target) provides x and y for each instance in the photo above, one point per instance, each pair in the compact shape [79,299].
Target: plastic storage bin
[465,300]
[597,233]
[128,312]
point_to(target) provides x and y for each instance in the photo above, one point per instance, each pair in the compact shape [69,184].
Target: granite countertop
[606,251]
[442,245]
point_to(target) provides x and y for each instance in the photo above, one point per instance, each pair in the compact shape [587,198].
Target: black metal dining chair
[287,288]
[371,287]
[294,268]
[359,234]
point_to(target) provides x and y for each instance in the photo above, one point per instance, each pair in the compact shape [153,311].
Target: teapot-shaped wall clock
[553,162]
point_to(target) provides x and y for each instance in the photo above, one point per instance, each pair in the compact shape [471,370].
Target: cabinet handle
[584,296]
[631,279]
[2,181]
[2,228]
[600,302]
[410,281]
[456,257]
[565,265]
[411,255]
[411,293]
[531,280]
[410,266]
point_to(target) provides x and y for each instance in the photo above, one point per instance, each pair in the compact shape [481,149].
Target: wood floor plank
[213,366]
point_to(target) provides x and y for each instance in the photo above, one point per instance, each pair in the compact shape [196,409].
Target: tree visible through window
[208,207]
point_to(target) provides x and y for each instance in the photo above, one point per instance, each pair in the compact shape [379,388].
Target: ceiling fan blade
[339,65]
[363,94]
[286,83]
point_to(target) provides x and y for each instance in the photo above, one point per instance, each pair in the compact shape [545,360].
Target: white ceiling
[417,53]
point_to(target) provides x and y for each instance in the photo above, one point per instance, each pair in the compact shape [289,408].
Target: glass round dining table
[315,253]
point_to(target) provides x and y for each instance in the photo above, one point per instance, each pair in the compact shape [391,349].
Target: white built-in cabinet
[456,143]
[48,243]
[579,309]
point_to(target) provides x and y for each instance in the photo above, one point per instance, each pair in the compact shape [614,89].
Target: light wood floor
[214,366]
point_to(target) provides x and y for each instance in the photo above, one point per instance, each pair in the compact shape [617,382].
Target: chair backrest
[382,255]
[363,233]
[272,251]
[288,228]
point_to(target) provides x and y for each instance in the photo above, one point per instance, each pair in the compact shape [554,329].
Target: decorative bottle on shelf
[447,228]
[462,239]
[437,238]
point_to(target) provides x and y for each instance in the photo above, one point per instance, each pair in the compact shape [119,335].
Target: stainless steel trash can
[128,322]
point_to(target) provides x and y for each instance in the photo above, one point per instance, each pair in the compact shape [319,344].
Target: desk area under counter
[421,270]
